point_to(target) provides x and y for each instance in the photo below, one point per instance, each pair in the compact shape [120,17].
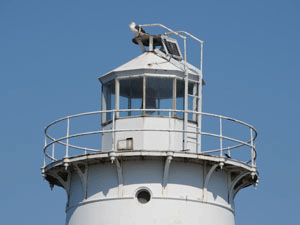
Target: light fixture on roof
[142,38]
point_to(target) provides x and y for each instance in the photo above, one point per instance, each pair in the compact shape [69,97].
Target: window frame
[175,79]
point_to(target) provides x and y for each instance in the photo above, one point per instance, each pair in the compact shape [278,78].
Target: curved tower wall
[180,201]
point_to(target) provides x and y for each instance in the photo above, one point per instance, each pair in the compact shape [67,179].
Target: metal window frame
[144,77]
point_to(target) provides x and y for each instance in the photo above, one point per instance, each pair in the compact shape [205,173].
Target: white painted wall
[181,203]
[157,212]
[150,140]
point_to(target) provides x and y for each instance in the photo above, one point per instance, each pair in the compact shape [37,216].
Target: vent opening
[143,196]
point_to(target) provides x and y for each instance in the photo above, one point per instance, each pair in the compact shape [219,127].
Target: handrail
[179,34]
[64,141]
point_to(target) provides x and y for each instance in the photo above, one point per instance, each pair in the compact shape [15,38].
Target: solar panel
[171,47]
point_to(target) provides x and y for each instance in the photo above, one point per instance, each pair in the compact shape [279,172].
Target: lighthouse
[151,156]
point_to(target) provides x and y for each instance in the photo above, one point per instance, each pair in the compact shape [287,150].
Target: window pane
[131,93]
[108,100]
[193,100]
[159,95]
[179,97]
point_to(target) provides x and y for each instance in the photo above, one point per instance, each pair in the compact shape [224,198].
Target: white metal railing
[67,149]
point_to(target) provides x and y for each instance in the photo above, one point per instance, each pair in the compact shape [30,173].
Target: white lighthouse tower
[151,156]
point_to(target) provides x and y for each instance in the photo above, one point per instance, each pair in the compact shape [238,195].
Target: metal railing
[225,143]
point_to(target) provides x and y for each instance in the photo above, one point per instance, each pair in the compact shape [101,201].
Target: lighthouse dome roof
[148,60]
[153,62]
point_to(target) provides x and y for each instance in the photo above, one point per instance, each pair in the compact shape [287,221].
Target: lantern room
[154,97]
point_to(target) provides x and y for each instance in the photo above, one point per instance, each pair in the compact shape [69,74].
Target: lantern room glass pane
[108,100]
[192,100]
[159,95]
[131,95]
[179,97]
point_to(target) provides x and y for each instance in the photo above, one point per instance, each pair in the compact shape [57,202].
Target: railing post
[45,141]
[174,96]
[101,130]
[113,131]
[170,129]
[221,138]
[45,150]
[199,115]
[186,86]
[200,100]
[252,148]
[44,161]
[67,140]
[53,151]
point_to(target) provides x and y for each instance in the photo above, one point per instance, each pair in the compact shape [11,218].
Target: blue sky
[52,52]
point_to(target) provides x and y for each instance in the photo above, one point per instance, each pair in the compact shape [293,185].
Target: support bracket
[207,178]
[233,183]
[82,171]
[115,161]
[166,172]
[65,182]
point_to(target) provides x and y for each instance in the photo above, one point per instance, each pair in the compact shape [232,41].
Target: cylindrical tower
[151,156]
